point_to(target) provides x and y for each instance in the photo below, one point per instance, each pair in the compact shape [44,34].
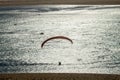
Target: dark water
[94,29]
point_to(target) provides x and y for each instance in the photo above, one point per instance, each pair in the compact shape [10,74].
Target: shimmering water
[94,29]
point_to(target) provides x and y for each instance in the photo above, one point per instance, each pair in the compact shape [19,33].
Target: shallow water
[93,29]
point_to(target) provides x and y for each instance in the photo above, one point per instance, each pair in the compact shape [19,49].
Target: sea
[94,30]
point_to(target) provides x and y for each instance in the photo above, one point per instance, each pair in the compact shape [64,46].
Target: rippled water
[94,29]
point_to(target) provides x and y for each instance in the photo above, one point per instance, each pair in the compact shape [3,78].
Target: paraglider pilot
[59,63]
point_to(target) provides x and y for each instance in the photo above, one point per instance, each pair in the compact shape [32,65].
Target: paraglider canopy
[56,37]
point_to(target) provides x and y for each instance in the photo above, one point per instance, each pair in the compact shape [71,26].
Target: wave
[11,62]
[104,7]
[54,8]
[7,32]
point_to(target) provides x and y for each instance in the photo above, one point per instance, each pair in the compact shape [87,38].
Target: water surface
[94,29]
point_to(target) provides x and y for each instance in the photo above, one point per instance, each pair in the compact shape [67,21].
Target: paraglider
[56,37]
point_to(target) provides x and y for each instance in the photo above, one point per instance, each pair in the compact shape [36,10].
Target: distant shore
[37,2]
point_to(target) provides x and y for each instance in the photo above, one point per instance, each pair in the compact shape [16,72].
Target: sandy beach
[58,76]
[36,2]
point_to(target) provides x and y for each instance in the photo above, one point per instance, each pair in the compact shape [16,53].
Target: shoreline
[59,76]
[59,2]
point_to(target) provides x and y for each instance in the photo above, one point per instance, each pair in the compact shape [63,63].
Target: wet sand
[36,2]
[58,76]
